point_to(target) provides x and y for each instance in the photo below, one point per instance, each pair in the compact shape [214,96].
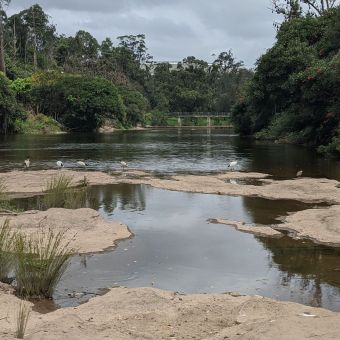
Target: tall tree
[294,8]
[3,3]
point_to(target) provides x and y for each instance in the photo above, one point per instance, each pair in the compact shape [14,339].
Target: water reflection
[175,248]
[166,151]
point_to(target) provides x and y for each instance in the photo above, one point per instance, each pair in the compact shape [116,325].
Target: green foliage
[56,190]
[296,88]
[332,149]
[80,103]
[60,194]
[9,109]
[37,124]
[6,257]
[135,104]
[41,259]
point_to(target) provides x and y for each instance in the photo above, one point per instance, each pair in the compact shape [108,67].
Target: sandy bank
[146,313]
[86,230]
[321,225]
[259,230]
[309,190]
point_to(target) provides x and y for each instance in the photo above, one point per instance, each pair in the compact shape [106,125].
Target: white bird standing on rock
[123,164]
[27,162]
[82,164]
[299,173]
[60,164]
[232,164]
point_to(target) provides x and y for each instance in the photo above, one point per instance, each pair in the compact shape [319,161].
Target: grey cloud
[174,28]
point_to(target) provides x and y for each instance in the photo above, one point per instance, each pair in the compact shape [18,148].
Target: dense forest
[294,95]
[81,84]
[51,81]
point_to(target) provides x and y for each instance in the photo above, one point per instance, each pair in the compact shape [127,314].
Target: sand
[84,228]
[259,230]
[148,313]
[321,225]
[309,190]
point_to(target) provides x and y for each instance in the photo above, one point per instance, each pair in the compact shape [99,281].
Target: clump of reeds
[7,238]
[3,195]
[60,194]
[56,189]
[41,259]
[22,319]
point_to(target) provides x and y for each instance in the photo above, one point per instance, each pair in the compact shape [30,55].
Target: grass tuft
[41,260]
[6,256]
[22,319]
[60,194]
[56,189]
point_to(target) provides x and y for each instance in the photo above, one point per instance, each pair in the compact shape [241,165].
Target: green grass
[37,124]
[7,238]
[22,319]
[41,260]
[60,194]
[56,189]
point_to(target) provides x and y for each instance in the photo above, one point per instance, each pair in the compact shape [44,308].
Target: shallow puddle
[175,248]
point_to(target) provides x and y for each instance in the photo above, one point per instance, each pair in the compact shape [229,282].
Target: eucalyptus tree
[295,8]
[3,4]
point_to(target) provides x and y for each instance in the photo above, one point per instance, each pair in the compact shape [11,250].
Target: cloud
[174,28]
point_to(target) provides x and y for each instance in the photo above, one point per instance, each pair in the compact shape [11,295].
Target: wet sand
[85,230]
[147,313]
[316,224]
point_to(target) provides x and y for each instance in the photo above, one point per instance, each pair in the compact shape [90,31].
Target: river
[174,246]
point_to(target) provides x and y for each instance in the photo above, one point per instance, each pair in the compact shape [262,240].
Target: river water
[174,246]
[167,150]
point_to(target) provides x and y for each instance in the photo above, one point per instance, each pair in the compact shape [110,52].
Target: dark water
[174,150]
[175,248]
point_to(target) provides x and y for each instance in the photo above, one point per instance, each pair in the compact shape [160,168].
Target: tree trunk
[2,47]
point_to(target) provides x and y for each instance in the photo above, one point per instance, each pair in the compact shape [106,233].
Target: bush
[9,109]
[37,124]
[332,149]
[6,256]
[41,259]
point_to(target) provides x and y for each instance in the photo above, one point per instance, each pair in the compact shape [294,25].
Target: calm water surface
[174,150]
[174,247]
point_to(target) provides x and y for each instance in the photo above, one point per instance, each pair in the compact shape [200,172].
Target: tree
[136,44]
[294,8]
[8,105]
[3,3]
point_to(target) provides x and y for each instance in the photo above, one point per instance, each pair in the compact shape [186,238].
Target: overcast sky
[174,29]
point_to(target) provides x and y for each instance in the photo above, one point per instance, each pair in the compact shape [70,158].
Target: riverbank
[148,313]
[84,229]
[319,225]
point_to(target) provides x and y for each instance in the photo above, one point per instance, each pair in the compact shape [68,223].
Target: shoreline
[150,313]
[306,190]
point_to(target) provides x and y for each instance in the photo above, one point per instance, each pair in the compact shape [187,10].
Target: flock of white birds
[124,165]
[60,164]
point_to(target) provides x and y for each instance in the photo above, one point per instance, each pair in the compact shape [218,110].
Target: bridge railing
[196,114]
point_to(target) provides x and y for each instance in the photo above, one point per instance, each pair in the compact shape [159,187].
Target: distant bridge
[208,115]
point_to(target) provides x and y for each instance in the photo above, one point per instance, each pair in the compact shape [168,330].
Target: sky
[174,29]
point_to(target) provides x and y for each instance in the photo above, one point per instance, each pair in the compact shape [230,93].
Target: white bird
[299,173]
[232,164]
[123,164]
[60,164]
[82,164]
[27,162]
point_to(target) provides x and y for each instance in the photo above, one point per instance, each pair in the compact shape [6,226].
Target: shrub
[6,256]
[41,260]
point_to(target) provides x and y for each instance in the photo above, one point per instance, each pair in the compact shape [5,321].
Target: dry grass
[22,319]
